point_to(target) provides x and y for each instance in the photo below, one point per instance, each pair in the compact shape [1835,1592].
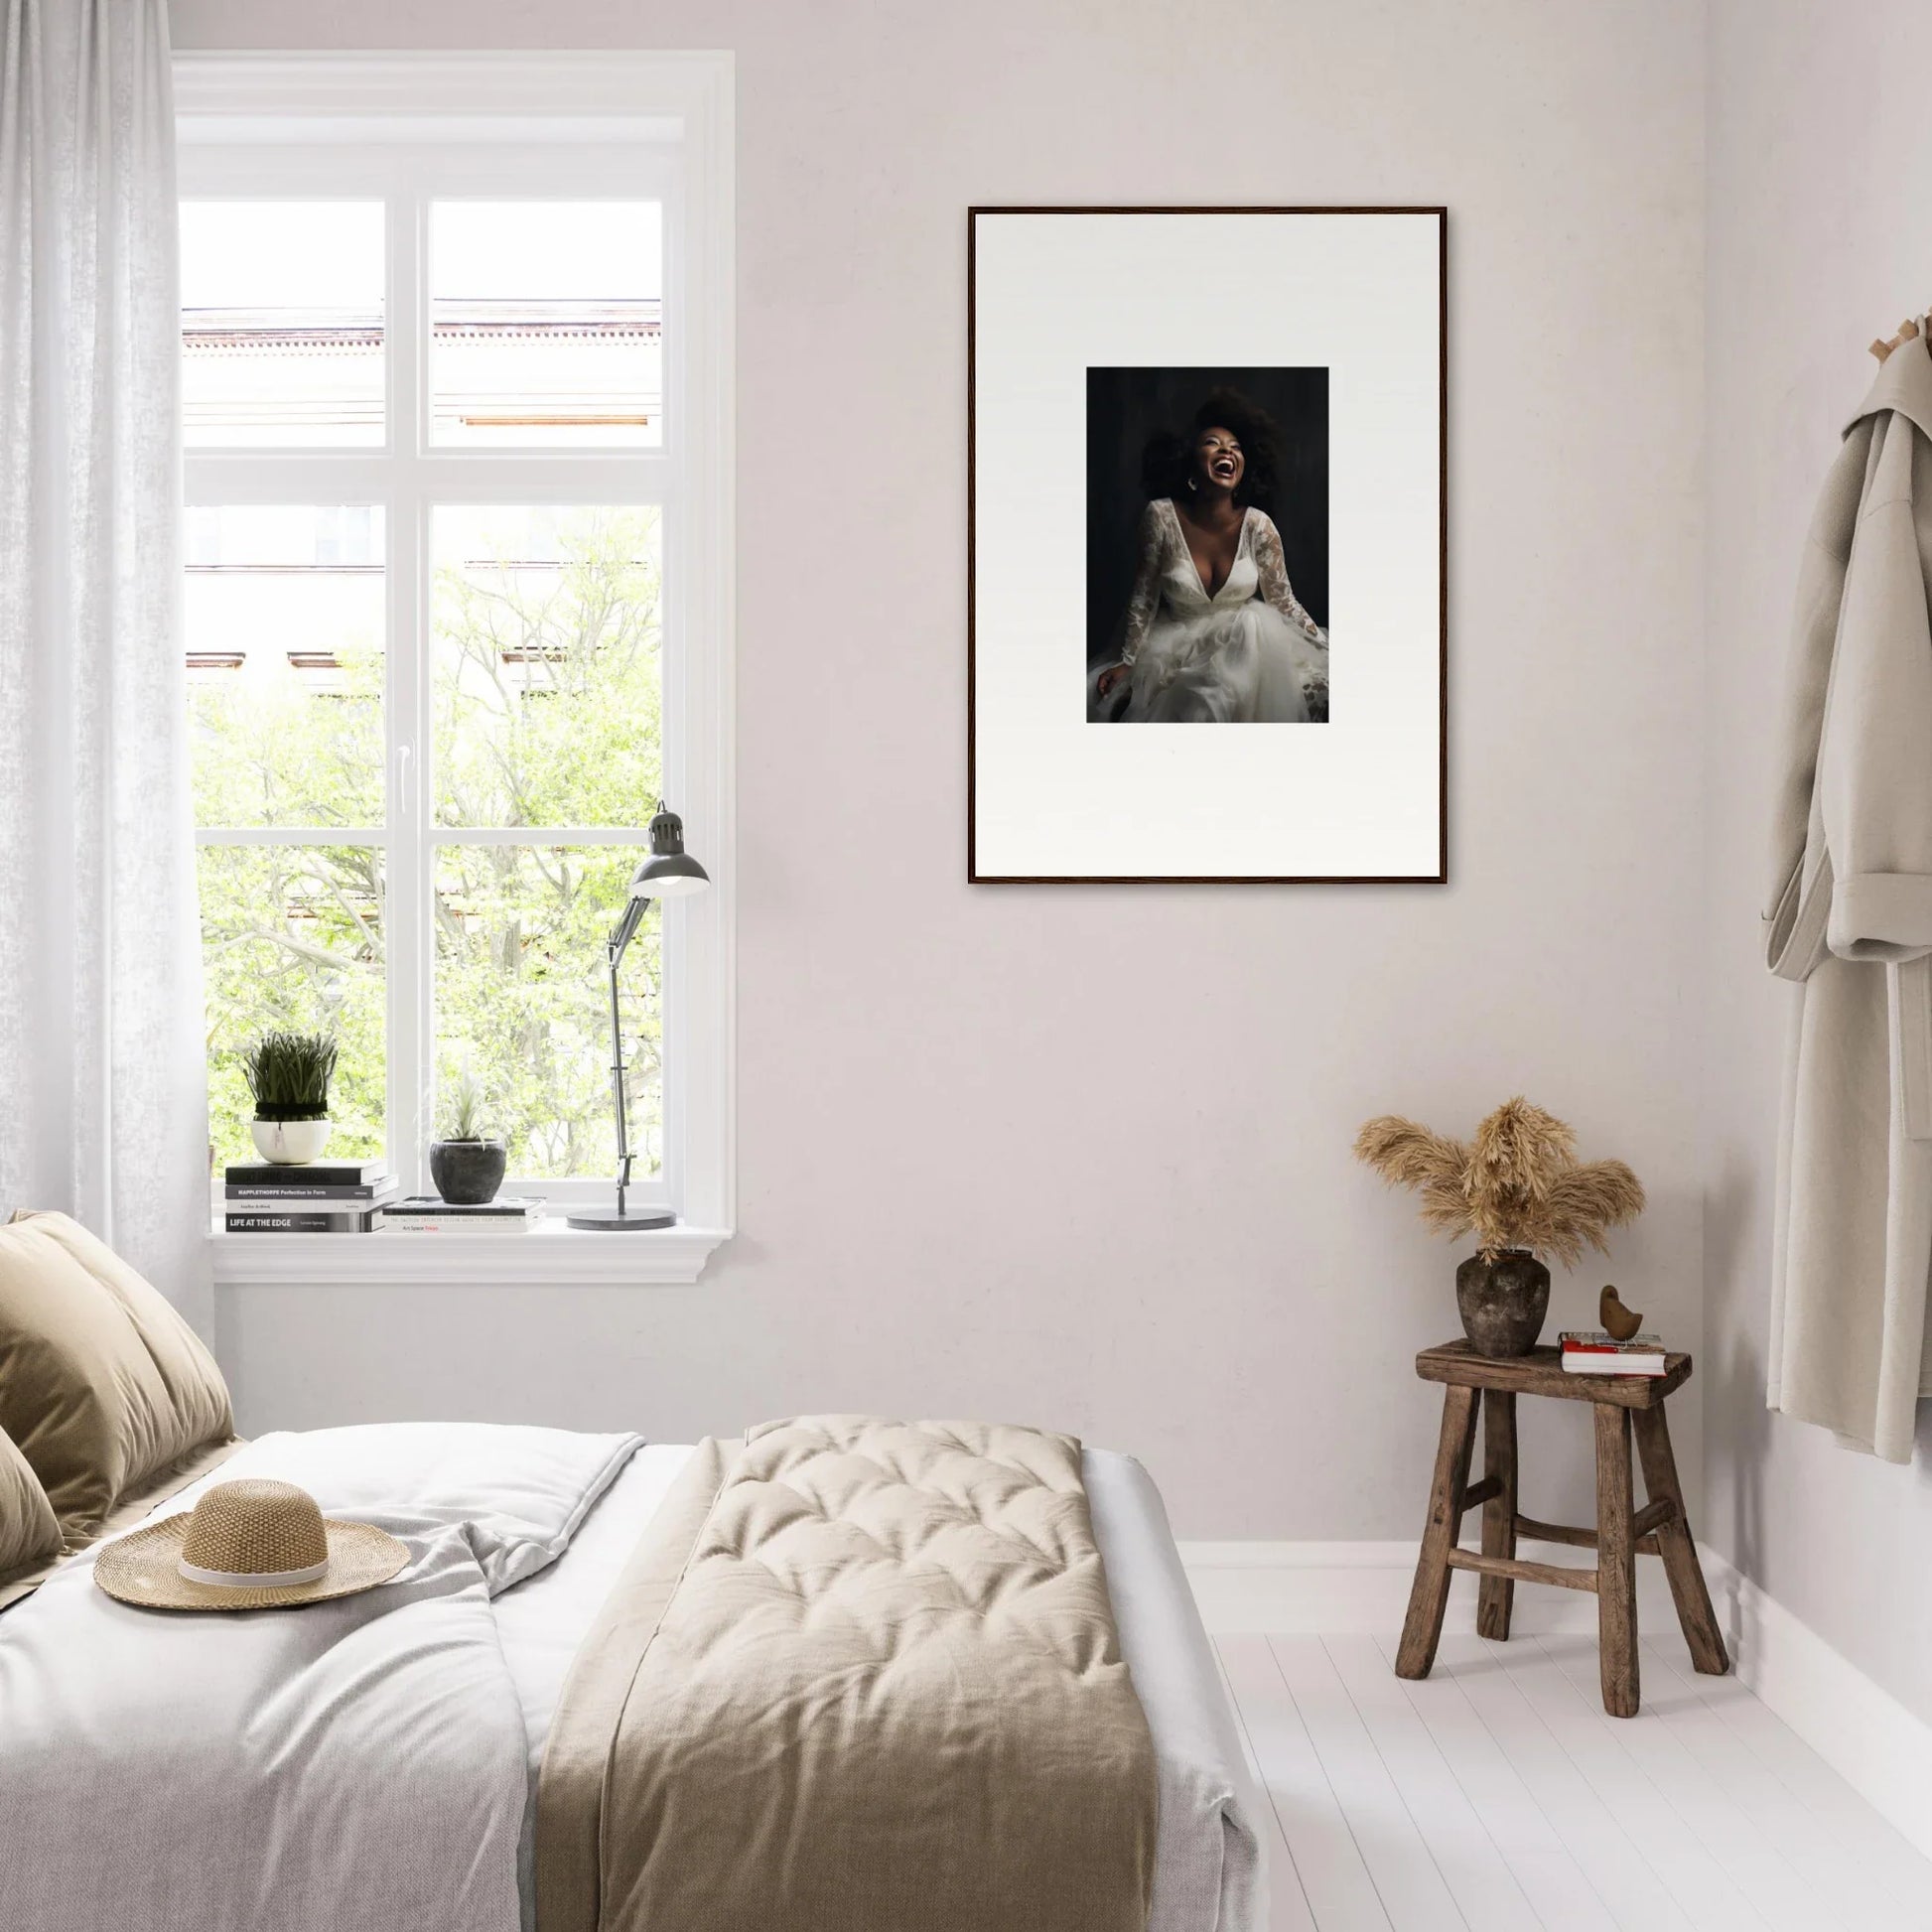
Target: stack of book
[1592,1352]
[426,1214]
[323,1198]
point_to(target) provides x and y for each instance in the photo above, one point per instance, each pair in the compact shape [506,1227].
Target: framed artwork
[1206,545]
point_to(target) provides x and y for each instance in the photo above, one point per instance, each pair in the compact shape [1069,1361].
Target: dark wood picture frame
[974,876]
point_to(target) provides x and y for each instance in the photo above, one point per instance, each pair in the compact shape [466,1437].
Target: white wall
[1820,238]
[1080,1155]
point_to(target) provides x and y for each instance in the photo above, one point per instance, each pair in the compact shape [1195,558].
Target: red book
[1589,1351]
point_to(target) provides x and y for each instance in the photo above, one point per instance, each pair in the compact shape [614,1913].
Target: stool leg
[1617,1563]
[1421,1630]
[1496,1596]
[1677,1547]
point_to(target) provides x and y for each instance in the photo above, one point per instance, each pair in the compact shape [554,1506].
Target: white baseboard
[1881,1749]
[1872,1740]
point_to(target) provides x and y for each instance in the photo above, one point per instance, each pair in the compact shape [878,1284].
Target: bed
[842,1674]
[522,1617]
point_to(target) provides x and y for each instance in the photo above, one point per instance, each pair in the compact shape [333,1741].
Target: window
[458,596]
[546,324]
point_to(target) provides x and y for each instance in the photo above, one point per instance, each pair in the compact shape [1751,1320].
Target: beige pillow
[102,1385]
[29,1534]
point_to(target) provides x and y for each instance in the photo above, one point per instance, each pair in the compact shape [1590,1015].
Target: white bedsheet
[352,1765]
[1209,1873]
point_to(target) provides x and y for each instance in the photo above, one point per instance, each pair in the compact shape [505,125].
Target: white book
[456,1224]
[1578,1364]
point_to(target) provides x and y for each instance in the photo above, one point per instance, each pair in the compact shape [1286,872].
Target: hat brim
[143,1569]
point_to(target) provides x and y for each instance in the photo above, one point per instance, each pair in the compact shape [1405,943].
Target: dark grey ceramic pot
[468,1173]
[1503,1302]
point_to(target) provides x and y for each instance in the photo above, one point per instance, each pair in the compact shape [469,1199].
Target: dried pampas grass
[1434,1166]
[1517,1185]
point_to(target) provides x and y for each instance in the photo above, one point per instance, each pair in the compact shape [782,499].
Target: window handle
[402,784]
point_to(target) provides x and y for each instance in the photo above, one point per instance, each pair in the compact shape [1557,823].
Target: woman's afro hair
[1167,461]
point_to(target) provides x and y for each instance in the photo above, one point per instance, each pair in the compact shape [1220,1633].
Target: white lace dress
[1248,654]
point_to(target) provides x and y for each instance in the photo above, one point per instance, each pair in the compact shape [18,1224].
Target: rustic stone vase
[468,1173]
[1503,1302]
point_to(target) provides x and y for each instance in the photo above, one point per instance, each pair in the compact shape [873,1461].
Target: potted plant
[467,1163]
[1520,1190]
[289,1075]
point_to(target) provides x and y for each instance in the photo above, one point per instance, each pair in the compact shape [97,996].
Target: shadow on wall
[1735,1414]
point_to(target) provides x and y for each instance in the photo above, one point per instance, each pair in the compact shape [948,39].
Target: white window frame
[402,129]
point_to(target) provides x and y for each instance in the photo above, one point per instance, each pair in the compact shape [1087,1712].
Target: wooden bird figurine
[1619,1323]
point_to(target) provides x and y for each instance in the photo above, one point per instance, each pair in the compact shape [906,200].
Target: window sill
[551,1255]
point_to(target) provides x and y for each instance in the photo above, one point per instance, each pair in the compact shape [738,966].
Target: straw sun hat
[249,1545]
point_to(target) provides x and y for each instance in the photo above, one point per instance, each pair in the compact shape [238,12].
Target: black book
[294,1188]
[355,1220]
[315,1174]
[503,1207]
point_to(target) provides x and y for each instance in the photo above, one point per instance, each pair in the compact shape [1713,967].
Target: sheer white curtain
[102,1065]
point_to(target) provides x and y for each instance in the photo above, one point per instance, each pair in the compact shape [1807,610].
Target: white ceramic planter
[290,1143]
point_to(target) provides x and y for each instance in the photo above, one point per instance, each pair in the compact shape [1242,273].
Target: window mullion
[292,835]
[637,835]
[409,910]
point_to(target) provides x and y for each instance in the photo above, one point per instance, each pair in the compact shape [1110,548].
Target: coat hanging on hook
[1850,916]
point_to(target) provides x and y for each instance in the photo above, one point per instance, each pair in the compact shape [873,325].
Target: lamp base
[636,1217]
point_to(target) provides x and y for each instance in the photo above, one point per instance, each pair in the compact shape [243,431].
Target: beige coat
[1851,918]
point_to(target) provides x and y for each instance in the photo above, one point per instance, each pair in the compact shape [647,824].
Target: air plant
[289,1075]
[1516,1185]
[465,1109]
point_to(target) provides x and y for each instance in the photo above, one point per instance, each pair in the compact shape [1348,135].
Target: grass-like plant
[463,1112]
[289,1075]
[1516,1185]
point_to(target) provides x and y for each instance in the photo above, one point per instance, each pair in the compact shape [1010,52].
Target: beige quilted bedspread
[861,1676]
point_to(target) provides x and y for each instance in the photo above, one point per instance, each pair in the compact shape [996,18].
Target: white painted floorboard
[1496,1796]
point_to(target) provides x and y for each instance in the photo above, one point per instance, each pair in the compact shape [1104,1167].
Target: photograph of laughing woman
[1200,623]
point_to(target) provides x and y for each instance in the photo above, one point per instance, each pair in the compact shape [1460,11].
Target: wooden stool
[1659,1529]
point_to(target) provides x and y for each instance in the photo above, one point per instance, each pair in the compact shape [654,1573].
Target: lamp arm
[614,948]
[627,926]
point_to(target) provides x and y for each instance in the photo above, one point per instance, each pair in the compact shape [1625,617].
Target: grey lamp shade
[670,872]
